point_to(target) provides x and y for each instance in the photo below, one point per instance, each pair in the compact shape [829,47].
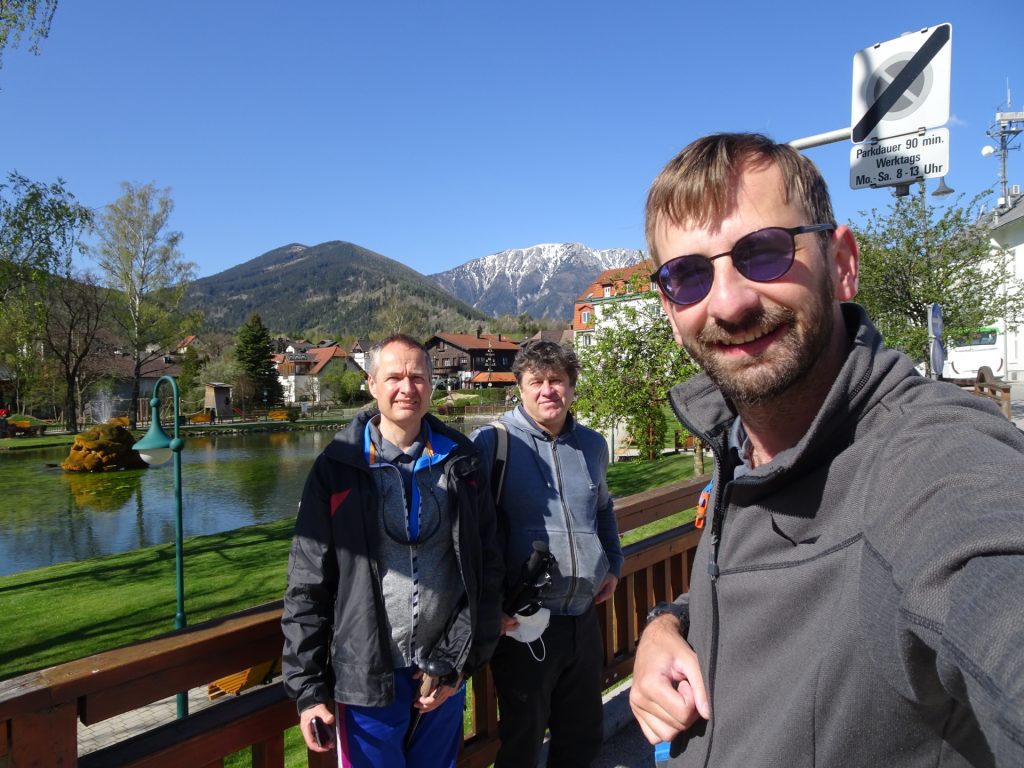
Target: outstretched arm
[668,694]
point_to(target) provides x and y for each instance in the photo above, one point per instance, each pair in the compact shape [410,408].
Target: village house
[358,352]
[462,360]
[300,372]
[612,285]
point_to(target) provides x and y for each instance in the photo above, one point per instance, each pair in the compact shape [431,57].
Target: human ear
[845,263]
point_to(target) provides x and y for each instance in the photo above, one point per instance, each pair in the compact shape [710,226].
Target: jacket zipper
[713,572]
[452,490]
[568,527]
[713,569]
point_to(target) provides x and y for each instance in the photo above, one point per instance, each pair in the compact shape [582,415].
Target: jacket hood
[519,419]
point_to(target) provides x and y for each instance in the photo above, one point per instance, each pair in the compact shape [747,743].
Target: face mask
[530,627]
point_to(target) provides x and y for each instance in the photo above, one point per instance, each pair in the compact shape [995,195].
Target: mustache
[760,321]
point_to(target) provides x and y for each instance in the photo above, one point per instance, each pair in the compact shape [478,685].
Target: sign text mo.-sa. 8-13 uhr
[900,159]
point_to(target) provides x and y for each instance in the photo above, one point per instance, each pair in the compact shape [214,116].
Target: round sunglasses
[761,256]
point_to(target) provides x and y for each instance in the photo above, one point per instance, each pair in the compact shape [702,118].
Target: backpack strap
[500,458]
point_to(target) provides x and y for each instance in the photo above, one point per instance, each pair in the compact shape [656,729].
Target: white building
[1007,223]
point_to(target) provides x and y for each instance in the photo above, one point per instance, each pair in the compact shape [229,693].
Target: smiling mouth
[749,337]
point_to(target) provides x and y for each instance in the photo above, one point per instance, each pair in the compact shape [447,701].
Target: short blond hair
[698,186]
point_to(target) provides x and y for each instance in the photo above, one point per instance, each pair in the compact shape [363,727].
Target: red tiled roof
[494,377]
[615,275]
[286,363]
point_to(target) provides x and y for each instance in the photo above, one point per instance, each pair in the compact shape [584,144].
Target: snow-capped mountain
[542,280]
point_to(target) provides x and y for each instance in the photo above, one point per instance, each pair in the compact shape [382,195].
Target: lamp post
[156,448]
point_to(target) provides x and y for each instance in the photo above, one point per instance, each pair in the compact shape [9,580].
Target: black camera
[533,581]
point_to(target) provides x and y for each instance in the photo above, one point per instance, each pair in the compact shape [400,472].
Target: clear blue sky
[437,132]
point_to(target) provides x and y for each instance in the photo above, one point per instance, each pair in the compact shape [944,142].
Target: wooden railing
[988,386]
[40,711]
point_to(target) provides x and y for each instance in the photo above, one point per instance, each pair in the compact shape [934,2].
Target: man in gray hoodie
[555,492]
[857,597]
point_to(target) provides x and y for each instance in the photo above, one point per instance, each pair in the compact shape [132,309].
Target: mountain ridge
[340,287]
[541,280]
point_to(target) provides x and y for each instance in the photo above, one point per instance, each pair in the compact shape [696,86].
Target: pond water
[49,516]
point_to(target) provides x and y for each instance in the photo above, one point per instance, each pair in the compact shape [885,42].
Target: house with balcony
[460,360]
[357,352]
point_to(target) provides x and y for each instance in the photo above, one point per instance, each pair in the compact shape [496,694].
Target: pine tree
[254,353]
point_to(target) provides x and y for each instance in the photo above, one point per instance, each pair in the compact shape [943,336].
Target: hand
[432,694]
[668,694]
[507,623]
[305,725]
[607,588]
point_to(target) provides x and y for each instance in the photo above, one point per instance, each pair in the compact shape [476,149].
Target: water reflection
[48,516]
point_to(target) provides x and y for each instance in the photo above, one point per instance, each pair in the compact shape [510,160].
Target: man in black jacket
[394,579]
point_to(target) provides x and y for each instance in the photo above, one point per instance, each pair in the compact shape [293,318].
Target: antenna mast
[1007,126]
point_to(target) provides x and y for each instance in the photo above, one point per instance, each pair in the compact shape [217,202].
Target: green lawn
[72,610]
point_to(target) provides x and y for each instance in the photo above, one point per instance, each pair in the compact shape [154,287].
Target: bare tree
[139,258]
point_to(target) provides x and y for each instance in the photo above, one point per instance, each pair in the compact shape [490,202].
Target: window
[585,317]
[607,291]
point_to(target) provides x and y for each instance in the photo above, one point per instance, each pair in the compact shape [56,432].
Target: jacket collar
[525,422]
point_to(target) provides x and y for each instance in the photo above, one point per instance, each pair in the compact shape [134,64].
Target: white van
[965,356]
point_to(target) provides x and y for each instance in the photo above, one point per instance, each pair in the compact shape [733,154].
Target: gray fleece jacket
[859,601]
[556,491]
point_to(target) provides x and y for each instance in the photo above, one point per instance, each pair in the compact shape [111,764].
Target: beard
[766,377]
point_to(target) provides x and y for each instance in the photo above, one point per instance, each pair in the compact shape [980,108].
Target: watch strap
[675,609]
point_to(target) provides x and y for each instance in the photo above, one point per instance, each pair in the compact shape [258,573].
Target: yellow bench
[232,685]
[278,415]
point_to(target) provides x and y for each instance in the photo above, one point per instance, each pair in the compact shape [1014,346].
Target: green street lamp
[156,448]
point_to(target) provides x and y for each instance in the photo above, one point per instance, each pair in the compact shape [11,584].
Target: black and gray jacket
[859,601]
[337,638]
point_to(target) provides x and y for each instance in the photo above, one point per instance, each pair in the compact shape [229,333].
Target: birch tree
[138,256]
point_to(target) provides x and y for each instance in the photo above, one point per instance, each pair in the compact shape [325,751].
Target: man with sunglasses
[858,592]
[394,578]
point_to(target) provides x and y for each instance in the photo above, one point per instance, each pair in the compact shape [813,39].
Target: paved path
[114,729]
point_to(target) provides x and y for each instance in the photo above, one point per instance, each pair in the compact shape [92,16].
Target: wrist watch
[674,609]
